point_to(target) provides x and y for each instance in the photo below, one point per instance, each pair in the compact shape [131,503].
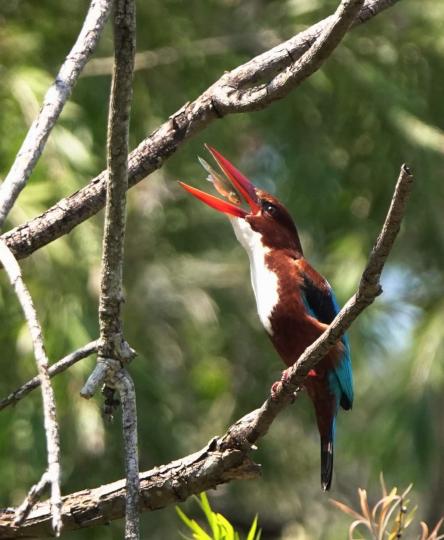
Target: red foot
[275,387]
[285,375]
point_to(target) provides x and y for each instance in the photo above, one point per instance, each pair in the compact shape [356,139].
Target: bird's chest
[265,284]
[264,280]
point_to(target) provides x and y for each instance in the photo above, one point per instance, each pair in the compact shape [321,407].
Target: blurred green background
[331,151]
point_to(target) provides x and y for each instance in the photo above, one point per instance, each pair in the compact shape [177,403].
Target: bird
[295,303]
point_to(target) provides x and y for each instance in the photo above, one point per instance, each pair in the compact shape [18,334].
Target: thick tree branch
[53,104]
[225,458]
[114,352]
[60,366]
[52,474]
[185,123]
[160,487]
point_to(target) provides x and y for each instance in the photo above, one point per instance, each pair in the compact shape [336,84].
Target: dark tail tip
[326,464]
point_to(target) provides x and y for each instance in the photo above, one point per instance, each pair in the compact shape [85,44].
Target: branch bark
[114,352]
[228,99]
[224,458]
[159,487]
[52,474]
[192,118]
[53,103]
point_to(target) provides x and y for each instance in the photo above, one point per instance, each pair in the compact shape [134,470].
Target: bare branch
[114,352]
[185,123]
[31,499]
[159,487]
[60,366]
[227,99]
[49,409]
[53,104]
[125,386]
[225,458]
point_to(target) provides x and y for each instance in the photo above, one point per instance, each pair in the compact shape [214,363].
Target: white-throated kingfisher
[294,302]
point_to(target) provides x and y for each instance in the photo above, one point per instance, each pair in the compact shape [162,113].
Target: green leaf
[198,532]
[209,514]
[252,532]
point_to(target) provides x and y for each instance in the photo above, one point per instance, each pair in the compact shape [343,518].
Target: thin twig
[49,408]
[114,351]
[60,366]
[31,499]
[152,152]
[228,457]
[125,386]
[53,103]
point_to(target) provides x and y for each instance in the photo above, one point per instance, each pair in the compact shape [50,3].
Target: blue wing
[322,304]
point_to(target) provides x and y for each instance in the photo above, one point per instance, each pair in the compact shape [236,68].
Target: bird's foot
[276,386]
[286,375]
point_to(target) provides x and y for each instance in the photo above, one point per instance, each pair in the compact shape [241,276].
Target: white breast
[263,280]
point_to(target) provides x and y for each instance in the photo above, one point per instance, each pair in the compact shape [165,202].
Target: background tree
[327,150]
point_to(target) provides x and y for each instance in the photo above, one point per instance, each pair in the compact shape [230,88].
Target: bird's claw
[276,386]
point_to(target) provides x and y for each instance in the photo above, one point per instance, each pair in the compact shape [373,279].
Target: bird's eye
[269,208]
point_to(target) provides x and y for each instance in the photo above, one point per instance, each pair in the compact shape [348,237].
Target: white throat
[263,280]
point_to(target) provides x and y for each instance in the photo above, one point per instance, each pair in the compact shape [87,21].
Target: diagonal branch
[52,474]
[224,458]
[152,152]
[53,103]
[60,366]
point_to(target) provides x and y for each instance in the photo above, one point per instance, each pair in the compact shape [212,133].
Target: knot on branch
[114,347]
[368,290]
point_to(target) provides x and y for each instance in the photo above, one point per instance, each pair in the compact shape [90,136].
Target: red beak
[246,189]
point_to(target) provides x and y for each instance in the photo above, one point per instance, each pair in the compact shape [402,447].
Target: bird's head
[265,218]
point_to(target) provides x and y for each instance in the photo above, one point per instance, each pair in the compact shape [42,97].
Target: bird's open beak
[235,179]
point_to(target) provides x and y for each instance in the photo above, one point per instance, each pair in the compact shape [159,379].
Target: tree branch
[225,458]
[53,103]
[60,366]
[228,99]
[185,123]
[52,475]
[114,352]
[159,487]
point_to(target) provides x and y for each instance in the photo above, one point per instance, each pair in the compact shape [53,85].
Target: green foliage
[220,527]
